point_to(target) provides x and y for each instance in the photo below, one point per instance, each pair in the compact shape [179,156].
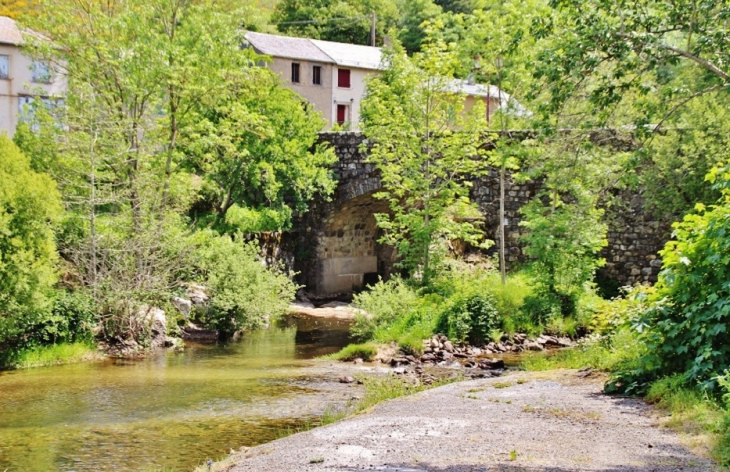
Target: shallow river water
[172,410]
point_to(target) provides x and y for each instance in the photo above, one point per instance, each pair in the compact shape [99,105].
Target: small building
[22,80]
[331,76]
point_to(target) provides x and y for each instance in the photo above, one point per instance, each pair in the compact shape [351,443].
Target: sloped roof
[9,31]
[351,55]
[288,47]
[341,54]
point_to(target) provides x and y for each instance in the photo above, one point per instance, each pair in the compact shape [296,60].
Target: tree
[612,52]
[335,20]
[29,206]
[141,74]
[494,46]
[17,8]
[424,143]
[349,21]
[254,144]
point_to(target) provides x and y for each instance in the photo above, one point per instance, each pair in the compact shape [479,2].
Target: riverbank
[556,420]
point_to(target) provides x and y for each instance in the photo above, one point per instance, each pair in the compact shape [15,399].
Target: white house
[22,80]
[331,76]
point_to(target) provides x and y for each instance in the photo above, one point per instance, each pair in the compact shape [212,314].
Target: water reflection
[171,410]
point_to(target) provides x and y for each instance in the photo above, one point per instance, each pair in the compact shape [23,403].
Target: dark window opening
[317,75]
[341,114]
[343,78]
[295,73]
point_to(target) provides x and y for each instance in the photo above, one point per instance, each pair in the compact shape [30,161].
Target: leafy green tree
[335,20]
[656,54]
[686,328]
[254,144]
[29,205]
[349,21]
[143,76]
[424,143]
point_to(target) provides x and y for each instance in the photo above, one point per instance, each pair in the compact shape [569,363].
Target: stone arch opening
[348,254]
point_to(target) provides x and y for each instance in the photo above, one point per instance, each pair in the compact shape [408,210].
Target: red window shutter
[341,114]
[343,78]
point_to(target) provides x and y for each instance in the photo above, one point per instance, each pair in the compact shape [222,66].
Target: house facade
[22,80]
[331,76]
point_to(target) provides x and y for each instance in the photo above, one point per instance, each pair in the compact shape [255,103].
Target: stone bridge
[336,248]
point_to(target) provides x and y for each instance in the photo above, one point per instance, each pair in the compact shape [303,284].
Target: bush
[244,293]
[384,303]
[472,319]
[29,204]
[686,326]
[563,241]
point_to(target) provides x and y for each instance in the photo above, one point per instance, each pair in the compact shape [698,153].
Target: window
[27,108]
[295,73]
[41,72]
[343,78]
[4,66]
[341,114]
[317,75]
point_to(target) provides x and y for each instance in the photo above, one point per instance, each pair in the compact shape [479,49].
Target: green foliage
[349,21]
[29,206]
[562,240]
[382,304]
[54,354]
[254,144]
[365,351]
[249,220]
[411,114]
[471,319]
[244,294]
[620,350]
[687,324]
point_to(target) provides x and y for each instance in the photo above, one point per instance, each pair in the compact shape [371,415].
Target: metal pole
[372,29]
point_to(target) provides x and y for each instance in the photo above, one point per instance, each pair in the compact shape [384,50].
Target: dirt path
[519,422]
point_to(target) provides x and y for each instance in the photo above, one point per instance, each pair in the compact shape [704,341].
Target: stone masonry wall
[335,241]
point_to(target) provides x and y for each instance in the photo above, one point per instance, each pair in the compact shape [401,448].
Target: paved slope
[520,422]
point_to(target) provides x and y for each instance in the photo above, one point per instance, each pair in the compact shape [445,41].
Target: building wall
[320,96]
[20,83]
[352,97]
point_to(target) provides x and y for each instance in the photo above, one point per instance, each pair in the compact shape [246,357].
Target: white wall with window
[21,79]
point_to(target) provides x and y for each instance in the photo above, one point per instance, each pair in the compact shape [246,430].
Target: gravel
[519,422]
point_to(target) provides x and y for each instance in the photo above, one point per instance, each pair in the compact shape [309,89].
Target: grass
[623,347]
[54,354]
[364,351]
[503,384]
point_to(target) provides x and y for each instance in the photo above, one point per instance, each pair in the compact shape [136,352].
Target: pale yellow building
[22,80]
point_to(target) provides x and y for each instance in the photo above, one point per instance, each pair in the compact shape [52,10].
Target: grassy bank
[55,354]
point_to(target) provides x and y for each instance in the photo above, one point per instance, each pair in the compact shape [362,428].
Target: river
[171,411]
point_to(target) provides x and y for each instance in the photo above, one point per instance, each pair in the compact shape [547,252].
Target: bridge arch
[348,253]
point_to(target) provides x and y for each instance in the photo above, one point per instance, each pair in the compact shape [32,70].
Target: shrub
[29,203]
[384,303]
[563,240]
[472,319]
[244,293]
[686,325]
